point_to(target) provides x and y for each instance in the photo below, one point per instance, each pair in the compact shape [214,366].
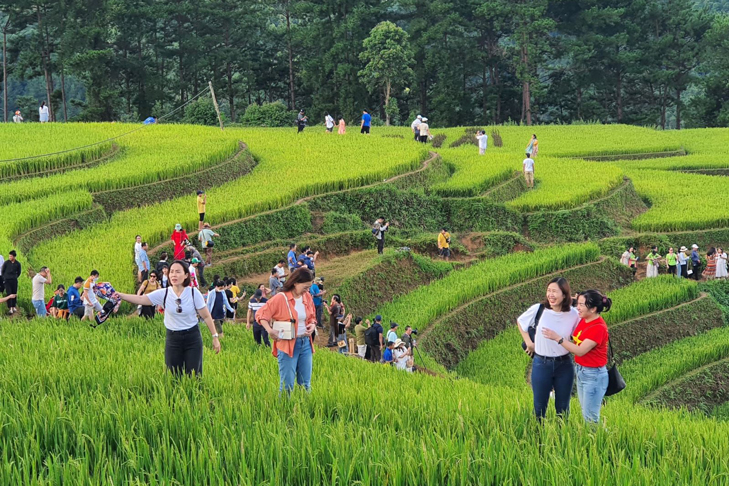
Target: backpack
[372,337]
[375,231]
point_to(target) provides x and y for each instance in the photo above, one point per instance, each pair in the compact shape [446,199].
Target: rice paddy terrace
[94,406]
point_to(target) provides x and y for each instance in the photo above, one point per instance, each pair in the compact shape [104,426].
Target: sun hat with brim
[318,280]
[683,248]
[424,119]
[178,227]
[695,246]
[398,343]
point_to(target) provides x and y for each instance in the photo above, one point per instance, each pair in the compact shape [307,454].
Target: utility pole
[5,70]
[215,102]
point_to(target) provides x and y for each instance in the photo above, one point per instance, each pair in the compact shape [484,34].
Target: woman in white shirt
[182,305]
[552,368]
[721,259]
[43,112]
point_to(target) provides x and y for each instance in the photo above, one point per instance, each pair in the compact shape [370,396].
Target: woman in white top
[182,305]
[43,112]
[721,259]
[402,356]
[552,368]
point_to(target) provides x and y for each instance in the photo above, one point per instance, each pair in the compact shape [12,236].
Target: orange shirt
[275,310]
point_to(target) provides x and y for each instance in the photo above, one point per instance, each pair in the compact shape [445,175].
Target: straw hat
[398,343]
[683,248]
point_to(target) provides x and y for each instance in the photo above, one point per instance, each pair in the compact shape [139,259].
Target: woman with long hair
[589,344]
[182,305]
[721,259]
[292,309]
[552,367]
[710,270]
[147,287]
[533,146]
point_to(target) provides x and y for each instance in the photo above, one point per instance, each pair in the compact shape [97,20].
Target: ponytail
[595,300]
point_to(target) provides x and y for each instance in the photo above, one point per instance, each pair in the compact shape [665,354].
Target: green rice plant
[420,307]
[285,173]
[675,203]
[158,152]
[85,406]
[474,173]
[649,295]
[564,184]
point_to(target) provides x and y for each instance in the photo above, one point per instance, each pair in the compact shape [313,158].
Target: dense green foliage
[484,61]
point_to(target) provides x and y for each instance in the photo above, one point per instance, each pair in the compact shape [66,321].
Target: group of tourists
[421,129]
[681,264]
[43,114]
[365,123]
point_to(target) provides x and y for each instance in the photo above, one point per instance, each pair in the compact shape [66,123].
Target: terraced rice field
[94,406]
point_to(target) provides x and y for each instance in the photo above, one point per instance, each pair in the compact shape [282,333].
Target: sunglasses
[179,305]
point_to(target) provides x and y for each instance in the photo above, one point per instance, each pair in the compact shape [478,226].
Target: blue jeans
[592,384]
[548,374]
[296,368]
[40,308]
[343,337]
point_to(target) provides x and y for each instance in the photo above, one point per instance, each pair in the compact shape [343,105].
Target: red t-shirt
[594,331]
[178,237]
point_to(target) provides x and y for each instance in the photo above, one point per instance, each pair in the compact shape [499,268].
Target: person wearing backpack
[552,368]
[378,231]
[589,344]
[373,338]
[182,304]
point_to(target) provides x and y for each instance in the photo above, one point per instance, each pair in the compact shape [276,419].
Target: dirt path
[426,163]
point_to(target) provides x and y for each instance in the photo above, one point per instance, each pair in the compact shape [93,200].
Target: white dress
[625,259]
[721,271]
[43,113]
[652,269]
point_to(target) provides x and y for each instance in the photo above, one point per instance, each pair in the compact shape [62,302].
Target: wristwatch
[215,335]
[561,340]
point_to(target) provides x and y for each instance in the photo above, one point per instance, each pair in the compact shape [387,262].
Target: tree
[388,59]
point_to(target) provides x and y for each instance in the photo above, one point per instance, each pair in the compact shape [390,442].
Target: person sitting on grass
[59,309]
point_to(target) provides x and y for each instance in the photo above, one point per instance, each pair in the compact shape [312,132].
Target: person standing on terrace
[202,200]
[179,237]
[533,147]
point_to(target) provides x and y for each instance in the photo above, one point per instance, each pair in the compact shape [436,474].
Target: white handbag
[286,330]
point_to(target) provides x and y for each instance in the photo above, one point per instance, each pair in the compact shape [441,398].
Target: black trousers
[79,312]
[11,287]
[375,353]
[184,351]
[697,272]
[381,245]
[2,284]
[260,334]
[147,311]
[684,271]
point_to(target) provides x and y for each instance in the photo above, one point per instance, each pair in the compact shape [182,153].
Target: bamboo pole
[215,102]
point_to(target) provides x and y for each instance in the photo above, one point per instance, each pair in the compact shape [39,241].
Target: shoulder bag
[533,328]
[616,383]
[286,330]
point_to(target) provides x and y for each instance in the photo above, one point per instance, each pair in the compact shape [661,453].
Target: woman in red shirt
[589,344]
[179,236]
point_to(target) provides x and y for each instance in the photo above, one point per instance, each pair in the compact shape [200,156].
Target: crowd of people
[365,123]
[681,264]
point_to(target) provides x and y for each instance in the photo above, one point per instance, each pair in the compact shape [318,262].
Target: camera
[415,331]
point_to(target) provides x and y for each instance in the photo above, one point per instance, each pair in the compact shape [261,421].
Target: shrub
[268,115]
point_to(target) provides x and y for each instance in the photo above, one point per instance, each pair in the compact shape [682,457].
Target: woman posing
[294,304]
[589,344]
[671,262]
[710,270]
[533,147]
[182,304]
[653,259]
[552,367]
[147,287]
[682,269]
[721,259]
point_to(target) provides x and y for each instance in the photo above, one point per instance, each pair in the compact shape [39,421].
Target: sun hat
[683,248]
[206,225]
[420,117]
[178,227]
[398,343]
[424,119]
[695,246]
[318,280]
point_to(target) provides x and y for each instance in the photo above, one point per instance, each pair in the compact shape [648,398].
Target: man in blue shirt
[75,304]
[695,261]
[387,357]
[142,263]
[366,122]
[317,293]
[291,258]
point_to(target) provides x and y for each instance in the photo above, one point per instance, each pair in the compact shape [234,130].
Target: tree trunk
[46,72]
[63,96]
[388,87]
[5,71]
[229,75]
[292,93]
[620,97]
[579,103]
[678,109]
[526,109]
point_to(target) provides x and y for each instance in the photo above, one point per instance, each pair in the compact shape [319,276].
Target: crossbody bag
[286,330]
